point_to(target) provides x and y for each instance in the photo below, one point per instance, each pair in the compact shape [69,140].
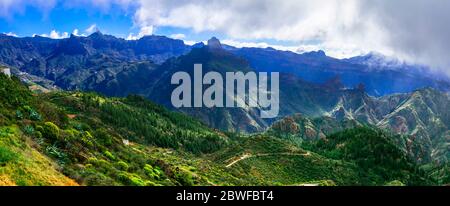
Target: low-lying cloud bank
[416,30]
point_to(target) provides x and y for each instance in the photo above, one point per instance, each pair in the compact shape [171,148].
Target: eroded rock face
[214,43]
[400,125]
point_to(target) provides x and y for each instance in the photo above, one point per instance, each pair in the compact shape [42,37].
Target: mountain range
[82,62]
[366,120]
[373,90]
[81,138]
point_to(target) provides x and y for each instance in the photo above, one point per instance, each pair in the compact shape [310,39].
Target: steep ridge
[421,117]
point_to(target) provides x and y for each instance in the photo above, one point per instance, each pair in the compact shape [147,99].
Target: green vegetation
[6,155]
[377,158]
[75,138]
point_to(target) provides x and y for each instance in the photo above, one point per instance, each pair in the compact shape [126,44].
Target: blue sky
[32,20]
[57,17]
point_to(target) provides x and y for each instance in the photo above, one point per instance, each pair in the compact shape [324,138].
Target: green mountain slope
[74,138]
[374,152]
[99,141]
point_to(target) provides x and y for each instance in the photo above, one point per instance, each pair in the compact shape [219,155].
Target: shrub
[395,183]
[6,155]
[55,152]
[50,130]
[109,155]
[183,177]
[103,137]
[137,181]
[150,183]
[71,134]
[35,116]
[19,114]
[38,135]
[87,139]
[28,129]
[131,179]
[121,165]
[152,172]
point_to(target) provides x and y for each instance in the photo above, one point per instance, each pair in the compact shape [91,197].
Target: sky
[413,30]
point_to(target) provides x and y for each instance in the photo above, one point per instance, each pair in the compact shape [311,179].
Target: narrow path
[248,155]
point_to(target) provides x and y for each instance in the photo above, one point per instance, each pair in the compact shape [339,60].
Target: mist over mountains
[311,83]
[81,57]
[320,96]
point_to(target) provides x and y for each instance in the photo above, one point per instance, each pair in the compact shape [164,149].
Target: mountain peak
[73,36]
[198,45]
[214,43]
[319,53]
[377,60]
[97,33]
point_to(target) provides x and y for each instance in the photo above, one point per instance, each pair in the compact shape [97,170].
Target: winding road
[248,155]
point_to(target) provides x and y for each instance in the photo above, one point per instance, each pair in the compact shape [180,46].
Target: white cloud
[91,29]
[11,34]
[336,26]
[144,31]
[417,29]
[189,42]
[410,29]
[103,5]
[56,35]
[338,51]
[178,36]
[76,32]
[282,20]
[240,44]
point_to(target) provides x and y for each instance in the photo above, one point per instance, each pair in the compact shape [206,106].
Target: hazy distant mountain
[380,75]
[312,84]
[74,62]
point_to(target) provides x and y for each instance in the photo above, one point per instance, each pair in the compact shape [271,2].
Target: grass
[20,164]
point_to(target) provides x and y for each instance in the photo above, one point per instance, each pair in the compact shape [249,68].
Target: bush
[136,181]
[131,179]
[6,155]
[56,152]
[103,137]
[28,129]
[87,139]
[109,155]
[19,114]
[183,177]
[50,131]
[395,183]
[152,172]
[121,165]
[35,116]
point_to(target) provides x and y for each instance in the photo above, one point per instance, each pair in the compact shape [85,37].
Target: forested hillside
[77,138]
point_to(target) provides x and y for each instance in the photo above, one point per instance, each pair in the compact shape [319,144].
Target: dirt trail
[248,155]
